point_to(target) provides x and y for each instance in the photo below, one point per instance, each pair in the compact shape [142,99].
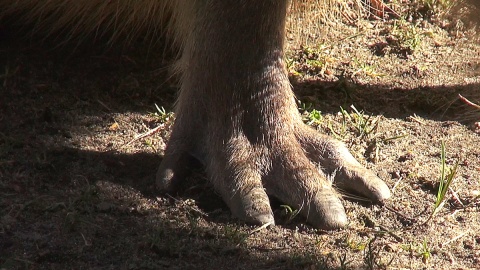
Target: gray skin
[237,114]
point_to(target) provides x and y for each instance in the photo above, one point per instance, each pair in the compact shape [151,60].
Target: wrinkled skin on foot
[237,114]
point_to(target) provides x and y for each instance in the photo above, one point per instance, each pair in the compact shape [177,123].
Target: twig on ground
[384,229]
[468,102]
[104,105]
[396,184]
[380,10]
[196,210]
[260,228]
[143,135]
[455,195]
[455,238]
[412,220]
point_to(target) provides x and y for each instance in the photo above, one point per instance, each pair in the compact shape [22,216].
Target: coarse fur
[236,112]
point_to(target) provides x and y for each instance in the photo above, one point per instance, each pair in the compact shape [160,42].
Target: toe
[333,158]
[172,170]
[362,181]
[252,206]
[297,182]
[326,211]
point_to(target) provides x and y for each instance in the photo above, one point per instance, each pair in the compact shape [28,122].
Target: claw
[362,181]
[252,206]
[172,171]
[335,159]
[326,211]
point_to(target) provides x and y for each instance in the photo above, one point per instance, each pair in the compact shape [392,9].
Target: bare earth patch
[77,192]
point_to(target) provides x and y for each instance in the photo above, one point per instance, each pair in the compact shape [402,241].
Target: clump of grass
[363,125]
[307,17]
[164,243]
[446,178]
[80,207]
[151,145]
[85,201]
[310,116]
[373,257]
[376,144]
[344,262]
[406,37]
[437,6]
[314,117]
[309,61]
[366,69]
[355,245]
[289,212]
[162,115]
[235,235]
[424,251]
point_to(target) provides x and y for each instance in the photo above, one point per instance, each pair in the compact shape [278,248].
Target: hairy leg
[237,114]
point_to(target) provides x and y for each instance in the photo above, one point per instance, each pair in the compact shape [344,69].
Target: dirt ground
[77,191]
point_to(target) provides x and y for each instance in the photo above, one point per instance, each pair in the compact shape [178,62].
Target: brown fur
[236,111]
